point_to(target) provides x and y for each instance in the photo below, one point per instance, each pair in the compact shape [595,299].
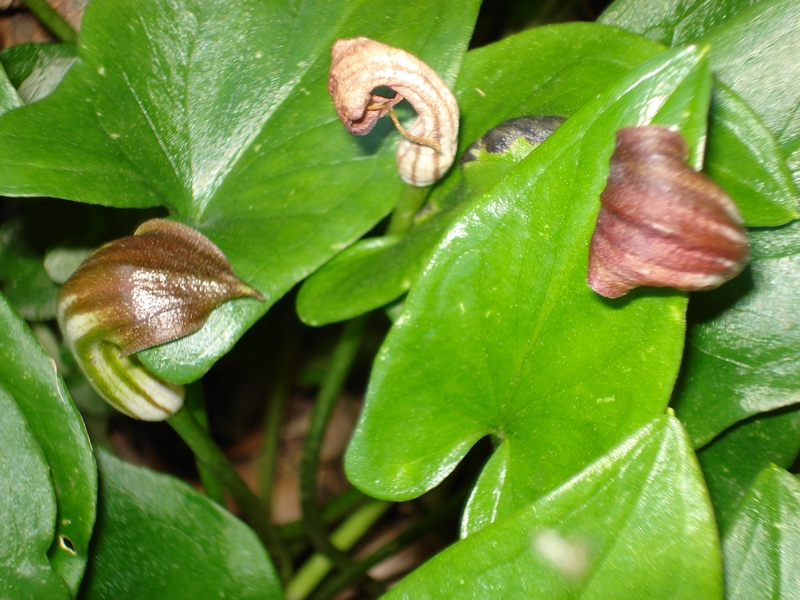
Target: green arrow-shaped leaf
[743,157]
[502,335]
[220,113]
[635,524]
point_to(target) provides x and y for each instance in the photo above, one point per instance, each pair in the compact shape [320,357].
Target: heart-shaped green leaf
[231,127]
[760,550]
[733,460]
[635,524]
[48,470]
[550,64]
[501,334]
[157,538]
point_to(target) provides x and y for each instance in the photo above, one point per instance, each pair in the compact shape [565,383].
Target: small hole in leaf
[66,544]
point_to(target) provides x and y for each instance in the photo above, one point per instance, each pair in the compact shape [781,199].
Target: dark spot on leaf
[66,544]
[499,139]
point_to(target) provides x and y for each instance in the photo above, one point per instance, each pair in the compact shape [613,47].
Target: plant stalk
[334,510]
[209,454]
[441,515]
[195,403]
[273,417]
[342,359]
[51,19]
[407,208]
[348,533]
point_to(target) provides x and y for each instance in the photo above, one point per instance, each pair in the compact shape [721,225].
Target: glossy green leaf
[733,460]
[37,69]
[760,550]
[231,128]
[159,538]
[742,154]
[8,95]
[549,70]
[635,524]
[755,54]
[560,68]
[762,186]
[742,354]
[742,348]
[672,22]
[29,379]
[23,278]
[501,335]
[27,510]
[368,275]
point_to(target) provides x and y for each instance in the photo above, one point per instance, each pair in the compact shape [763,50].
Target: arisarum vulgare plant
[555,443]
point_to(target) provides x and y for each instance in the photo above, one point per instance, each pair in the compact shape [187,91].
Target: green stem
[52,20]
[407,208]
[348,533]
[334,510]
[209,454]
[343,356]
[443,513]
[341,361]
[276,408]
[268,461]
[195,403]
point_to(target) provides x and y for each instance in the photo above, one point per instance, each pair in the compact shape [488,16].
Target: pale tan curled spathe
[359,66]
